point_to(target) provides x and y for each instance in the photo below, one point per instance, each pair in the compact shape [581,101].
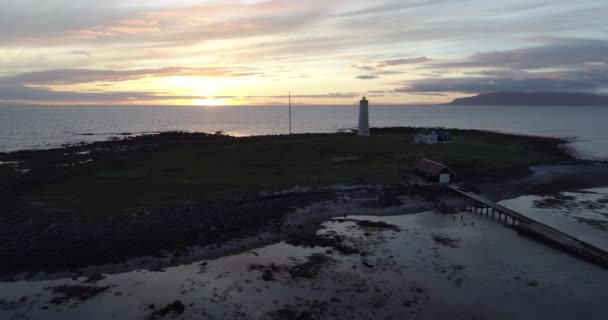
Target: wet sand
[485,270]
[582,214]
[543,180]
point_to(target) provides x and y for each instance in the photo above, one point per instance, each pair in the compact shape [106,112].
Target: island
[109,201]
[533,99]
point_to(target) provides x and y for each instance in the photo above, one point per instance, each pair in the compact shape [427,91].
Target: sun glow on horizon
[212,102]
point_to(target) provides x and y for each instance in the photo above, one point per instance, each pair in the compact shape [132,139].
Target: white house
[432,136]
[426,137]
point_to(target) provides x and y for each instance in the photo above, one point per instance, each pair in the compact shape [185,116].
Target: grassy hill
[179,169]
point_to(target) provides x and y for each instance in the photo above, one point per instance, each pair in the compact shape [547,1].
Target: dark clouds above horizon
[418,51]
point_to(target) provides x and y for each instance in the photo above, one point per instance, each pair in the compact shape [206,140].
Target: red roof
[431,167]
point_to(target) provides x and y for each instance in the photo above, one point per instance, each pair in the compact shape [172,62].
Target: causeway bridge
[480,205]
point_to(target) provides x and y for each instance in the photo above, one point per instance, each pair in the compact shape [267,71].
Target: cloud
[365,68]
[367,77]
[36,94]
[28,22]
[396,62]
[39,94]
[76,76]
[462,28]
[559,64]
[432,94]
[579,81]
[390,7]
[31,85]
[501,73]
[81,53]
[555,53]
[331,95]
[387,72]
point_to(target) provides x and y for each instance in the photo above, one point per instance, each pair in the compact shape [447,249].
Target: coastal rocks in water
[533,283]
[446,240]
[311,267]
[585,207]
[556,201]
[419,295]
[308,269]
[268,271]
[597,224]
[569,203]
[175,308]
[454,273]
[311,239]
[377,225]
[95,278]
[67,293]
[301,311]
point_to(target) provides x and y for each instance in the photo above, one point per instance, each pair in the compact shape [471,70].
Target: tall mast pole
[290,112]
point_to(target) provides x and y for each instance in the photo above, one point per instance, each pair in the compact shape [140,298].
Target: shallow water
[27,127]
[582,214]
[491,273]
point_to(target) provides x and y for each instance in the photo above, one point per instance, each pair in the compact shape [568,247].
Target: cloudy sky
[323,51]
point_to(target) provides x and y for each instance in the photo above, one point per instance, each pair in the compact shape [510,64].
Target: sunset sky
[323,51]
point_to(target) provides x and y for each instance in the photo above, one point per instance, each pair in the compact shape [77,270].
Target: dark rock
[267,275]
[311,267]
[176,308]
[66,293]
[95,278]
[446,241]
[377,225]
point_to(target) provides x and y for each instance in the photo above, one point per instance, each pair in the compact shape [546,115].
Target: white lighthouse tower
[363,117]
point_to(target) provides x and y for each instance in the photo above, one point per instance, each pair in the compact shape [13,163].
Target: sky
[254,52]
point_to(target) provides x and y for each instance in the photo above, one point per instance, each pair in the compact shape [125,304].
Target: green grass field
[197,173]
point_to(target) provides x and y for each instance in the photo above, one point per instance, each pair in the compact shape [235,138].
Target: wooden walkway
[534,228]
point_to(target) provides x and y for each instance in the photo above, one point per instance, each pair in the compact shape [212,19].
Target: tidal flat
[400,267]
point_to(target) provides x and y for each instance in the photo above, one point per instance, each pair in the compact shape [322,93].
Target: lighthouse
[363,117]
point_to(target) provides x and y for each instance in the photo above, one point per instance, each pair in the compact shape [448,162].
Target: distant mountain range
[532,98]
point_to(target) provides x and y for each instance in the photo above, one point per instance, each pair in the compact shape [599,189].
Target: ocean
[35,127]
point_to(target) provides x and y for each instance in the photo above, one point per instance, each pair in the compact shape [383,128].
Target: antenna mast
[290,112]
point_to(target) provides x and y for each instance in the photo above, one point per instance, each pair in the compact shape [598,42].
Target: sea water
[33,126]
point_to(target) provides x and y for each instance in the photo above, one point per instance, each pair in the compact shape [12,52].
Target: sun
[210,102]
